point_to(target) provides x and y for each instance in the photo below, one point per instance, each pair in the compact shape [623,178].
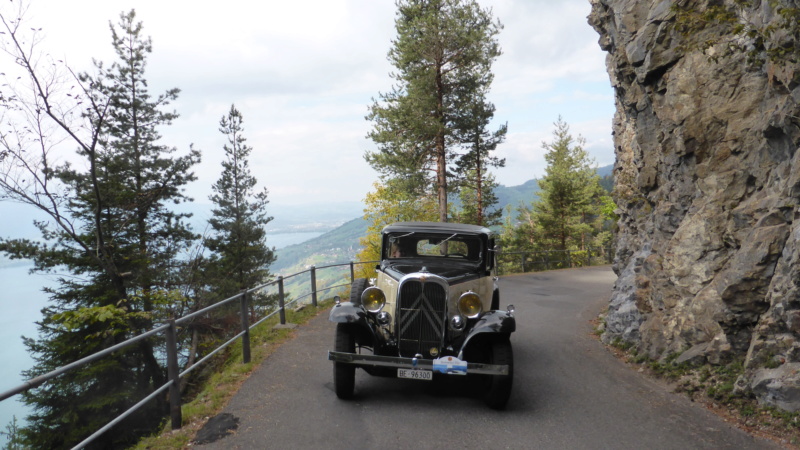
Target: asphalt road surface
[569,392]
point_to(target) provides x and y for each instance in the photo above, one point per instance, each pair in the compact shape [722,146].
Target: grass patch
[669,369]
[218,389]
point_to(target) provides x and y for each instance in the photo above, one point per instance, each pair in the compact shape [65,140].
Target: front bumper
[410,363]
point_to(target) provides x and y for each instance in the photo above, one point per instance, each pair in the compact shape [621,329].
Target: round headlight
[469,305]
[373,299]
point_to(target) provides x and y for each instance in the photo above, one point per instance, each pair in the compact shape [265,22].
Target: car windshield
[415,245]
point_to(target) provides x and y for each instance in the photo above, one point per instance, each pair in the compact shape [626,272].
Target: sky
[304,73]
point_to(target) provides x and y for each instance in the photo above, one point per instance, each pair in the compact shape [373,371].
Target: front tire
[499,389]
[344,375]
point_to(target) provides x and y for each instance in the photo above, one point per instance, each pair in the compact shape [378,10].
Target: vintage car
[433,311]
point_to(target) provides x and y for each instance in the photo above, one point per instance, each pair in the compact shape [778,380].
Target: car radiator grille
[421,318]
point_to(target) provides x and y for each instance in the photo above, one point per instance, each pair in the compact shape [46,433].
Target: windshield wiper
[395,238]
[451,237]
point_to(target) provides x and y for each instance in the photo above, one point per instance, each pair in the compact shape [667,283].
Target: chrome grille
[421,318]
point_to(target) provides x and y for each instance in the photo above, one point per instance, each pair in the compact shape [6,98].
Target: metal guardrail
[170,330]
[507,263]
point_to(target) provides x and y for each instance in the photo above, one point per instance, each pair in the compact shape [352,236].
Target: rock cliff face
[708,185]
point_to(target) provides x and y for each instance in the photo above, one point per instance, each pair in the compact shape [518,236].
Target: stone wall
[708,186]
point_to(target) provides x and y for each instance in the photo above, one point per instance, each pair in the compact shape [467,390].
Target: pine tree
[478,200]
[111,236]
[443,55]
[477,184]
[568,210]
[240,256]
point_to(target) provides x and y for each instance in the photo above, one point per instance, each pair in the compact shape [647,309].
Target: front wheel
[499,389]
[344,375]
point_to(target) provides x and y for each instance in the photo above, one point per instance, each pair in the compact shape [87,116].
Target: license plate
[415,374]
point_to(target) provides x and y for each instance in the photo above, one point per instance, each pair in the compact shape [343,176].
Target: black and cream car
[433,311]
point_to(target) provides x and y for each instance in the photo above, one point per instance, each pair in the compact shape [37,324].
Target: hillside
[515,196]
[341,244]
[338,245]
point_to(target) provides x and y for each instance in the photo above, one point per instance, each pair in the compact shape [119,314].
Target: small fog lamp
[384,318]
[457,323]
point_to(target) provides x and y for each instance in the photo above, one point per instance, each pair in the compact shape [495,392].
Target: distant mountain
[525,193]
[341,244]
[528,192]
[605,170]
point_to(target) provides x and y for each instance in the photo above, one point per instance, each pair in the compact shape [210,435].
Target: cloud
[304,73]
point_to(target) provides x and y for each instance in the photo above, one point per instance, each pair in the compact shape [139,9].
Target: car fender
[493,322]
[347,312]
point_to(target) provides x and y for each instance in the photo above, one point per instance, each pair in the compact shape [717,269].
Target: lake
[21,301]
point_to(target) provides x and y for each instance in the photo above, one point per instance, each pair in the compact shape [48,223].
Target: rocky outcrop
[708,188]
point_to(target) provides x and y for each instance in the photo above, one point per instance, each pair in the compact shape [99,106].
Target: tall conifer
[570,193]
[240,255]
[476,183]
[443,54]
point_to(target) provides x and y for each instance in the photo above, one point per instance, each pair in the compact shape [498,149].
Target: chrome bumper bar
[409,363]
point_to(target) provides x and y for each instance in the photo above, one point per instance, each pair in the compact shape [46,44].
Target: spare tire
[356,289]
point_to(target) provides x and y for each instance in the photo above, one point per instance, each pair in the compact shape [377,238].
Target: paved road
[569,393]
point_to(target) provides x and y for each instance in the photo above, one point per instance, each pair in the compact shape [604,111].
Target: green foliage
[477,185]
[478,201]
[567,205]
[608,208]
[669,369]
[443,54]
[14,439]
[607,183]
[111,236]
[572,213]
[384,206]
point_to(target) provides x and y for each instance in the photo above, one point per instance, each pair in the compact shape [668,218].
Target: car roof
[436,227]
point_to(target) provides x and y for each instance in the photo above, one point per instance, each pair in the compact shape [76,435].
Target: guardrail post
[243,301]
[174,376]
[281,301]
[352,272]
[522,257]
[314,285]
